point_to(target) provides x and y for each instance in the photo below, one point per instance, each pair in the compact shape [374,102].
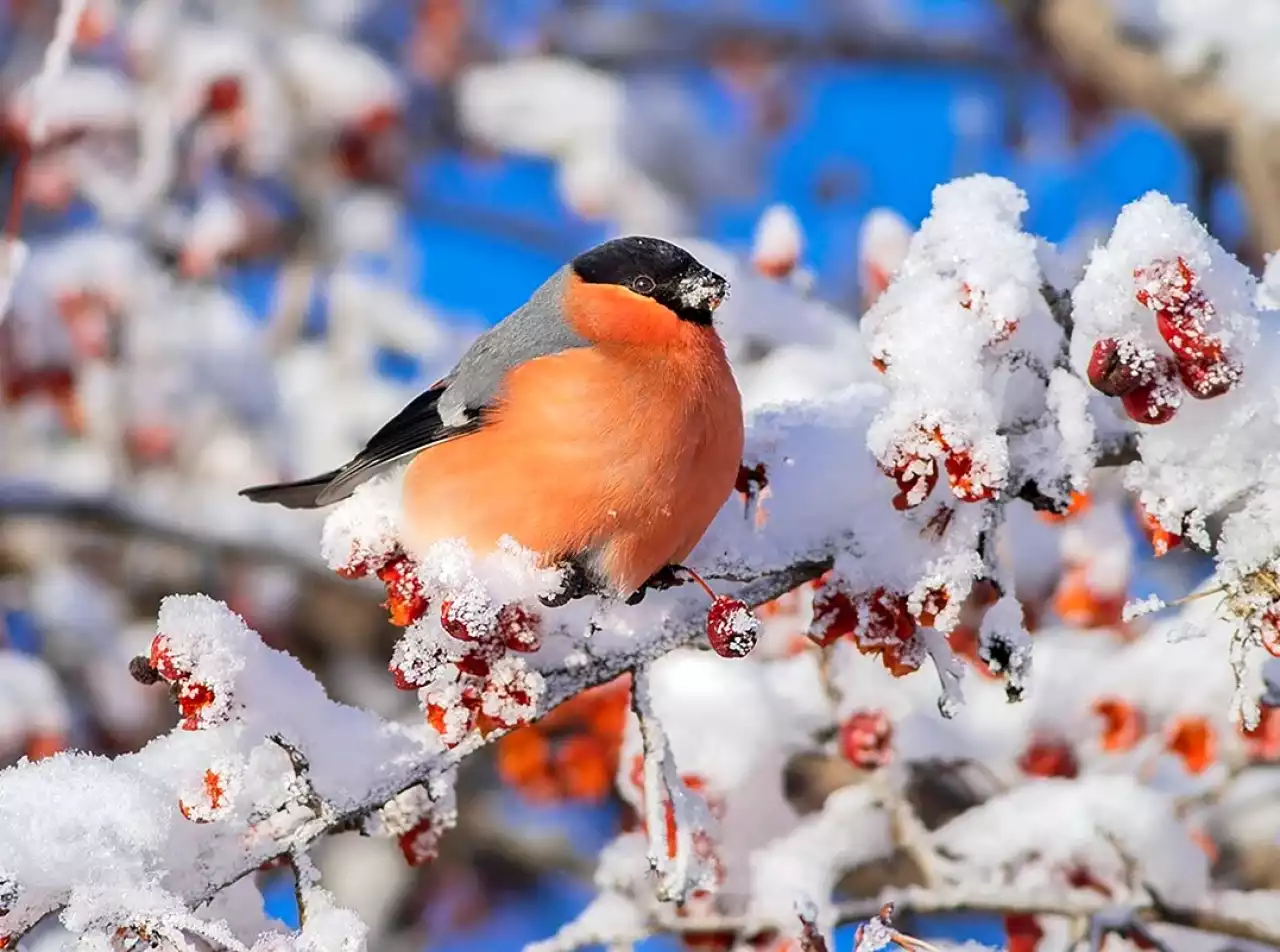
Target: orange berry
[1123,727]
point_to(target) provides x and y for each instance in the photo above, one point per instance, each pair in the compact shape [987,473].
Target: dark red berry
[1157,400]
[519,628]
[1205,379]
[452,624]
[731,628]
[1118,366]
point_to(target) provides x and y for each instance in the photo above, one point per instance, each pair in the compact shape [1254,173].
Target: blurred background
[258,227]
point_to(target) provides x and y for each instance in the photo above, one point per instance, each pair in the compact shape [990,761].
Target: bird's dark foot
[578,583]
[669,576]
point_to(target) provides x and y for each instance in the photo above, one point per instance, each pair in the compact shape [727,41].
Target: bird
[599,425]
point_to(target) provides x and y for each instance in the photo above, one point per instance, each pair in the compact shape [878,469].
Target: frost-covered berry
[420,844]
[405,602]
[916,479]
[835,615]
[1119,365]
[194,699]
[731,628]
[1156,401]
[453,624]
[969,481]
[1186,336]
[866,739]
[904,658]
[933,604]
[452,721]
[885,620]
[519,629]
[1206,379]
[161,659]
[468,615]
[210,801]
[1049,758]
[511,693]
[1161,539]
[1164,284]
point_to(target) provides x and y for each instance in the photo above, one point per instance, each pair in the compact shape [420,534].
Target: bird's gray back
[538,328]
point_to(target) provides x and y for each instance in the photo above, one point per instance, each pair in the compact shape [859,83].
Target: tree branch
[1085,38]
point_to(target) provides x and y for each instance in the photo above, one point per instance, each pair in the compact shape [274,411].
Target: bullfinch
[598,425]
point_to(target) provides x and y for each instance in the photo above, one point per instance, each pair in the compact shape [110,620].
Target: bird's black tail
[304,494]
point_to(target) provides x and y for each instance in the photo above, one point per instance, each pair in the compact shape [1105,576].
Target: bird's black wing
[414,428]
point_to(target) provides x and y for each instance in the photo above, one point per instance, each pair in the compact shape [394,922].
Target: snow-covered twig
[664,791]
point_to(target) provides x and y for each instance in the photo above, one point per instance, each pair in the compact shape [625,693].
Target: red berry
[193,698]
[835,615]
[222,95]
[1157,400]
[1206,379]
[405,600]
[933,604]
[915,482]
[1165,285]
[1023,932]
[1045,758]
[903,658]
[966,484]
[731,628]
[452,624]
[1117,366]
[866,739]
[162,661]
[420,844]
[401,679]
[1270,629]
[1186,336]
[519,628]
[888,619]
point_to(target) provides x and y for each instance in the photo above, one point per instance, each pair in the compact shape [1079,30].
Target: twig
[302,786]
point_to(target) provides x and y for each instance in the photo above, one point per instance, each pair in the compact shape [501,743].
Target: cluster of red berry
[912,462]
[1151,385]
[879,622]
[474,684]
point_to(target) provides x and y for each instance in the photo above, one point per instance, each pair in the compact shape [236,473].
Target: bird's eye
[642,284]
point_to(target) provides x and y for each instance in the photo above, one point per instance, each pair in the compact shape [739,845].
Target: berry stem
[700,580]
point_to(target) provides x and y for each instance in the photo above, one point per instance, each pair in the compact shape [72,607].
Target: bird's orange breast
[622,454]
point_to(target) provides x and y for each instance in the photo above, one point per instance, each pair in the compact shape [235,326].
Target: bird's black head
[655,269]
